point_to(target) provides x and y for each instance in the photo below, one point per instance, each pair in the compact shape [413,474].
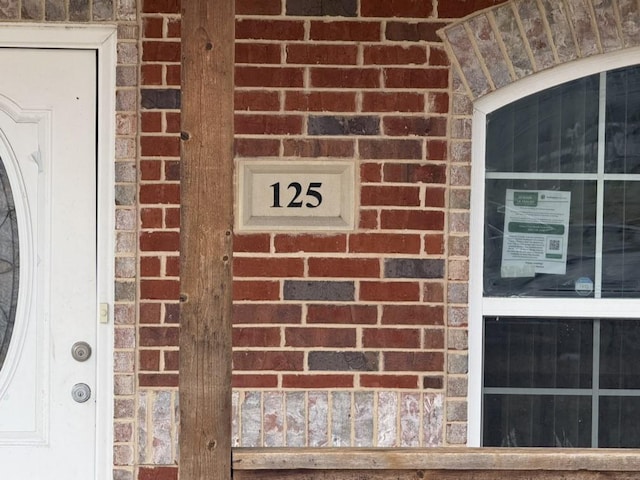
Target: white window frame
[542,307]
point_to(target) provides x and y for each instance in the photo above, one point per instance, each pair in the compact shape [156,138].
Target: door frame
[102,39]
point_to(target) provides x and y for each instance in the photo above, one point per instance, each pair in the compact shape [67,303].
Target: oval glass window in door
[9,263]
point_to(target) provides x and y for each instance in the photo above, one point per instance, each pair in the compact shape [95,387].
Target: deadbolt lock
[81,392]
[81,351]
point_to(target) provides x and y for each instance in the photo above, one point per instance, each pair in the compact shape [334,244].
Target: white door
[48,284]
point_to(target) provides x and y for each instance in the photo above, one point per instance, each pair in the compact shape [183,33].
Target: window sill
[443,458]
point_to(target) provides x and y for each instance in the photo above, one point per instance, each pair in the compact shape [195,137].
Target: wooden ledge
[442,459]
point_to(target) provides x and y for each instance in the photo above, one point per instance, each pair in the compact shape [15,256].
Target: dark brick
[413,268]
[344,361]
[54,10]
[79,10]
[336,8]
[32,10]
[413,32]
[337,125]
[319,290]
[434,383]
[160,98]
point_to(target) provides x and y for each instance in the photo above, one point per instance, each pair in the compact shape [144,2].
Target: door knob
[81,351]
[81,392]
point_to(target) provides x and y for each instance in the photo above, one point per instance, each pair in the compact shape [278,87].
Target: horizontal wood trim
[441,459]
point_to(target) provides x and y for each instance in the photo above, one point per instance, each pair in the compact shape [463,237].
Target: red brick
[150,312]
[434,244]
[151,217]
[253,242]
[344,267]
[389,381]
[416,77]
[173,122]
[149,360]
[413,31]
[392,102]
[390,291]
[173,75]
[342,314]
[413,361]
[153,51]
[158,336]
[368,220]
[389,149]
[159,241]
[397,8]
[256,337]
[158,380]
[151,122]
[412,220]
[438,102]
[269,29]
[159,146]
[317,381]
[152,27]
[263,7]
[172,267]
[151,74]
[394,55]
[159,289]
[434,197]
[149,267]
[395,195]
[172,217]
[161,6]
[158,473]
[162,193]
[412,315]
[438,57]
[269,76]
[384,243]
[171,360]
[268,267]
[257,124]
[285,243]
[316,54]
[370,172]
[254,381]
[413,173]
[257,147]
[320,101]
[351,31]
[318,148]
[436,149]
[390,338]
[328,77]
[150,169]
[256,290]
[319,337]
[267,313]
[174,28]
[256,101]
[462,8]
[257,53]
[418,126]
[268,360]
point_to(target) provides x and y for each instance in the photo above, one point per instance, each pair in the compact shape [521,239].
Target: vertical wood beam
[206,238]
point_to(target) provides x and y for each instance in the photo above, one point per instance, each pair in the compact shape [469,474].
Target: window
[557,275]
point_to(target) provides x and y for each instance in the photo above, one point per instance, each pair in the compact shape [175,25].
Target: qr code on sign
[553,245]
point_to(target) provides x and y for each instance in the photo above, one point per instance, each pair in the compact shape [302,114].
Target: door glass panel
[9,263]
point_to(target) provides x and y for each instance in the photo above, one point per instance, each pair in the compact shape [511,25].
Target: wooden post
[206,239]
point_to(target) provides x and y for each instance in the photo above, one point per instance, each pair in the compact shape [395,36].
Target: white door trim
[102,39]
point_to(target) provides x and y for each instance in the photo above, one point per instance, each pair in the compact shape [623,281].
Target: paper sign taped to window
[536,230]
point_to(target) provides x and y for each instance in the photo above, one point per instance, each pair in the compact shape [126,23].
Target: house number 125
[311,198]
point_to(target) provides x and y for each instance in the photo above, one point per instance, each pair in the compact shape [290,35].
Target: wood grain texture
[434,459]
[206,238]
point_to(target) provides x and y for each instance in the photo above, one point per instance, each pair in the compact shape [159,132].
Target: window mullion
[595,384]
[602,120]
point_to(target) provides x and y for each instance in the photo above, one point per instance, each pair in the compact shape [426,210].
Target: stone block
[363,419]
